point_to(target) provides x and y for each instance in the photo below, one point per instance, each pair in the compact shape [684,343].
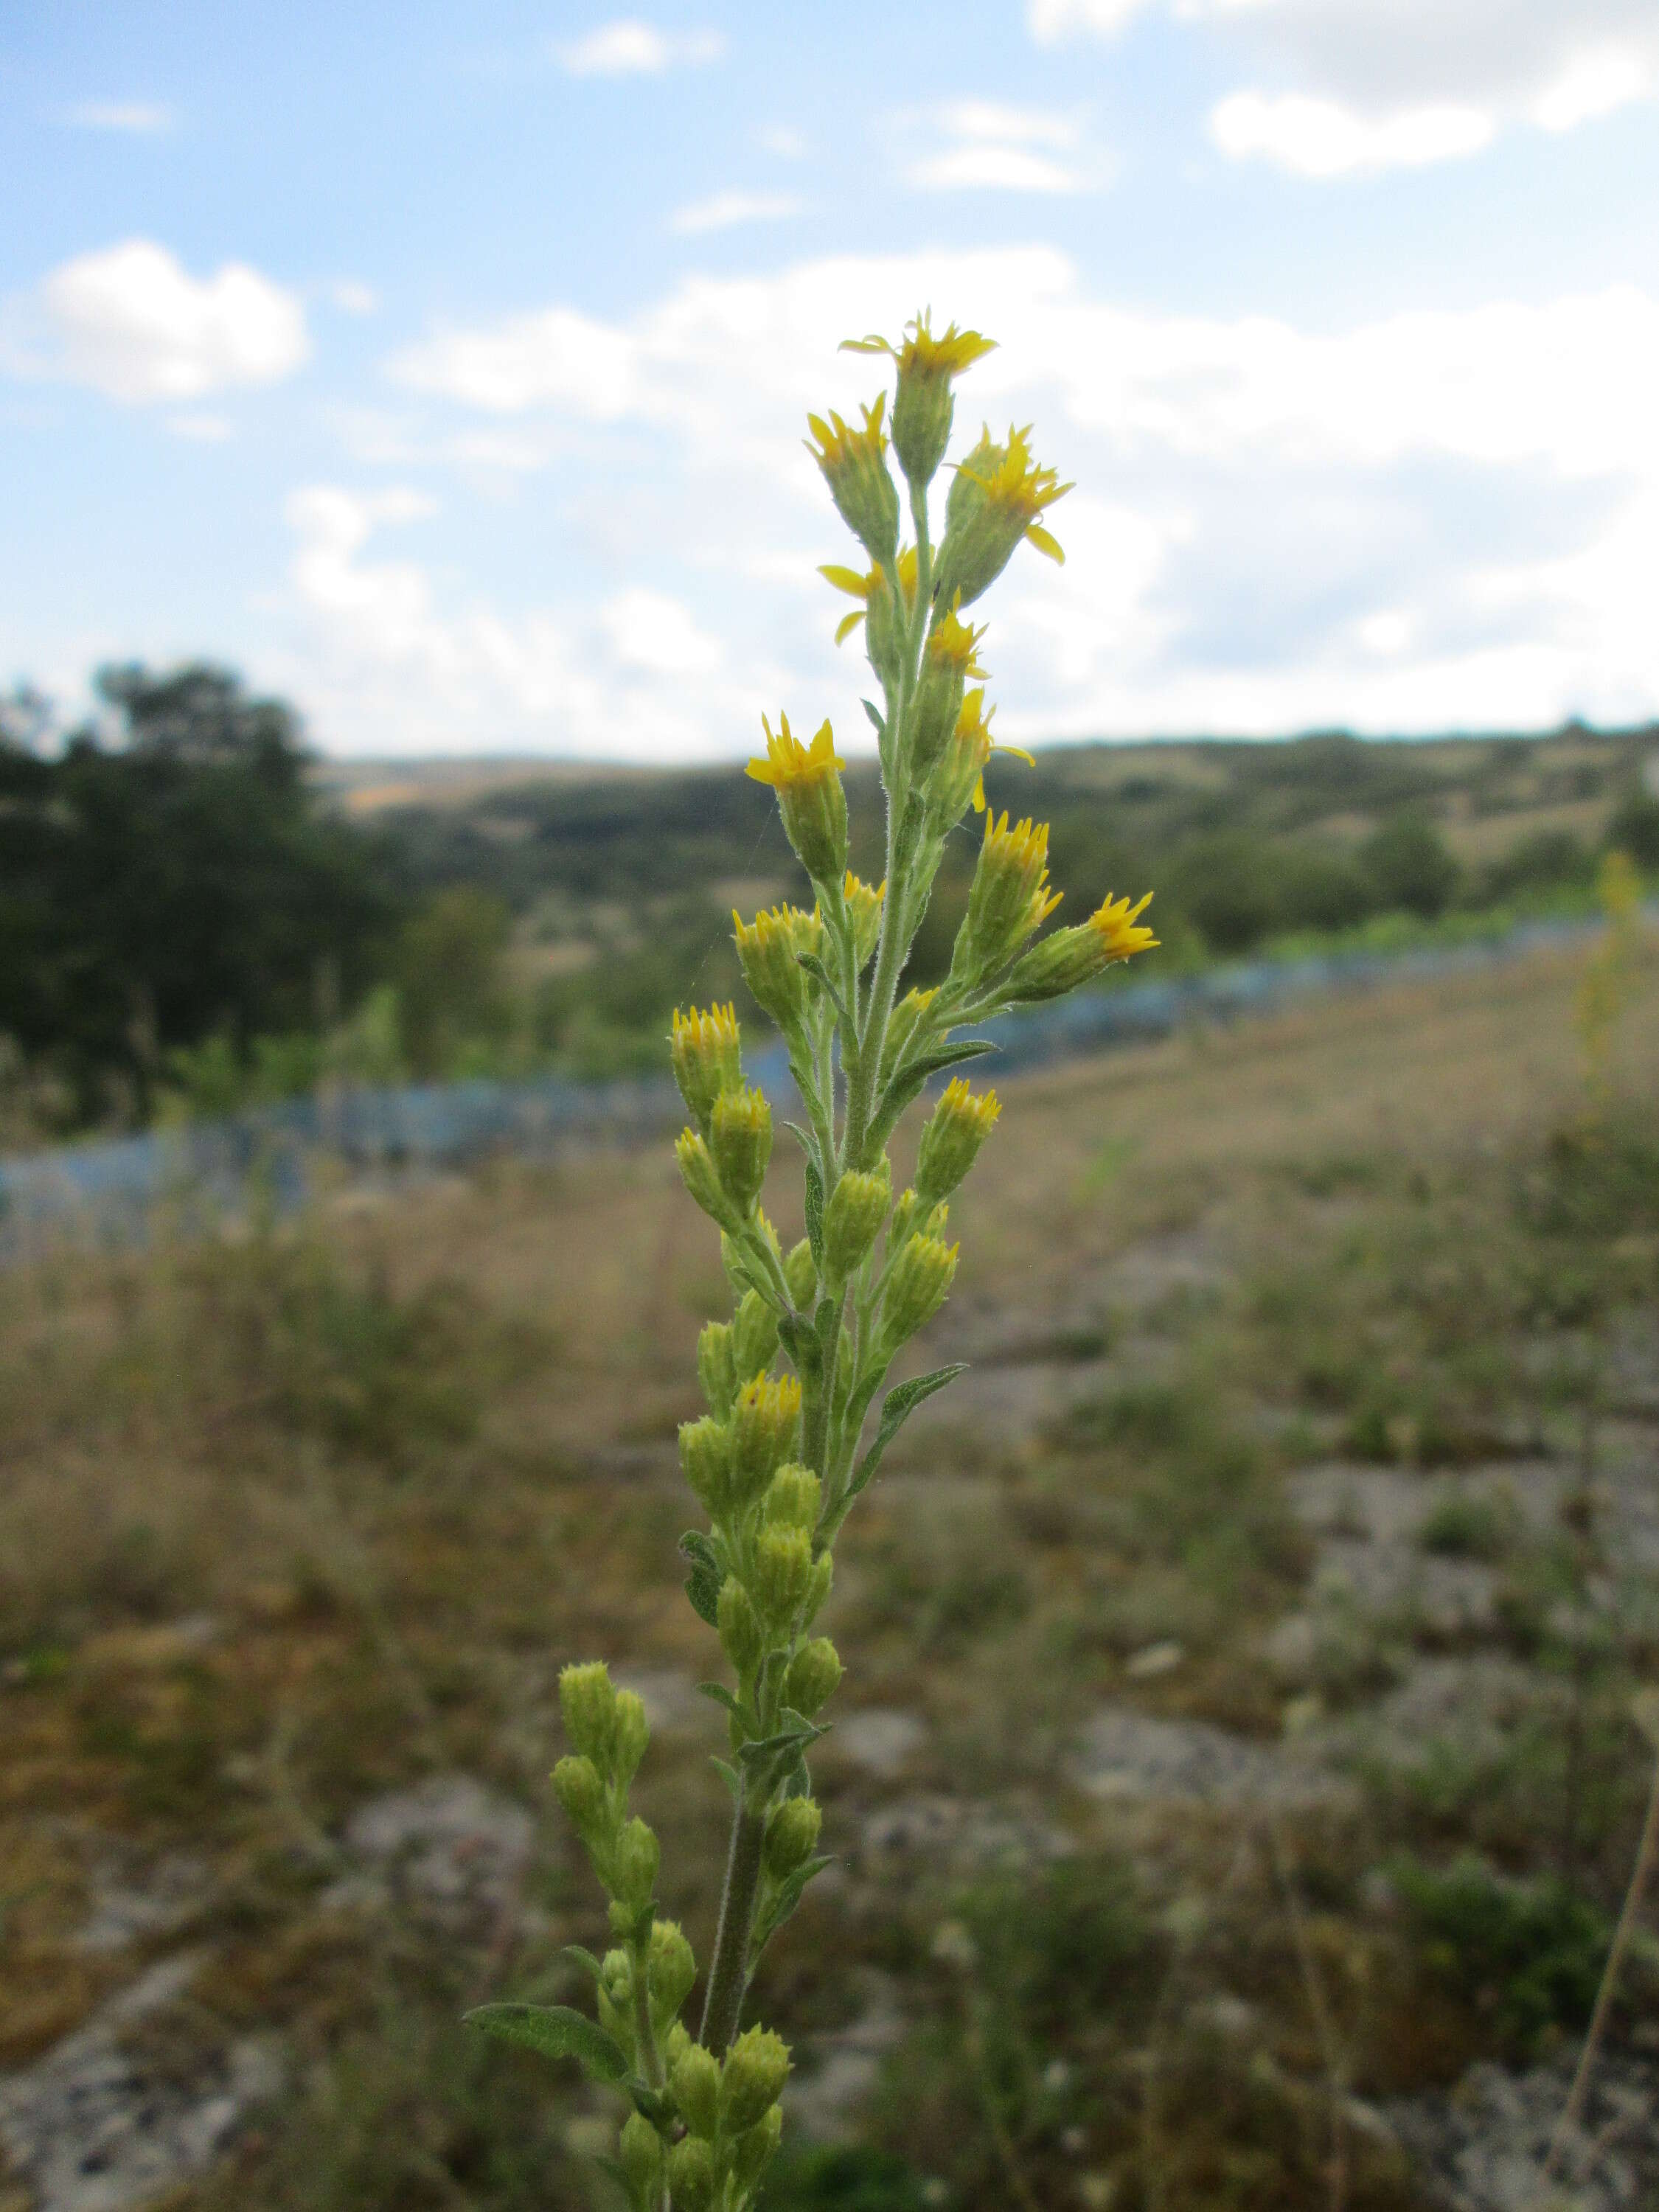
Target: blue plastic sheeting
[111,1192]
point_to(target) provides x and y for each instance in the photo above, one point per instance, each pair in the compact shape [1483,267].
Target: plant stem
[728,1977]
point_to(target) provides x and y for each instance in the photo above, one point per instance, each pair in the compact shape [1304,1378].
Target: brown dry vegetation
[299,1517]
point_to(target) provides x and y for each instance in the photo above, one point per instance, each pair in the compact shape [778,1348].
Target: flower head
[854,466]
[997,498]
[807,779]
[1009,895]
[769,949]
[949,658]
[871,588]
[923,402]
[951,1137]
[1073,956]
[1118,928]
[704,1052]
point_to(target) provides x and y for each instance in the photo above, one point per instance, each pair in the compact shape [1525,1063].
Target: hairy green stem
[728,1977]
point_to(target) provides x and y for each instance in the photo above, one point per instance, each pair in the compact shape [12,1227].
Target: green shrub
[1530,1955]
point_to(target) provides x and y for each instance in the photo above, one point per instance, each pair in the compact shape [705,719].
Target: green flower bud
[951,1137]
[740,1138]
[670,1973]
[811,800]
[864,904]
[769,949]
[1009,896]
[792,1837]
[691,2175]
[783,1574]
[765,1423]
[915,1290]
[801,1273]
[923,403]
[756,2067]
[641,2159]
[754,2151]
[1073,956]
[903,1025]
[701,1178]
[947,661]
[637,1856]
[854,466]
[792,1499]
[589,1704]
[716,1366]
[577,1786]
[633,1734]
[851,1221]
[741,1636]
[706,1458]
[818,1589]
[813,1676]
[677,2039]
[615,1998]
[754,1336]
[995,499]
[696,2082]
[707,1058]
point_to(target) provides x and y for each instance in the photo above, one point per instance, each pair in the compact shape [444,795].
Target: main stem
[728,1977]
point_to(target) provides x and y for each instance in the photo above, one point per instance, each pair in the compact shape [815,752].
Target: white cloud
[1320,138]
[202,429]
[353,297]
[132,323]
[985,146]
[1424,519]
[1050,20]
[724,211]
[630,48]
[137,119]
[779,138]
[1595,82]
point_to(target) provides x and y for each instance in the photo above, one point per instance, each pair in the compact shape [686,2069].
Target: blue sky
[445,367]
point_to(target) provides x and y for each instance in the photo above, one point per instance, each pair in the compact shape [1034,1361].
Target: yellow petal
[847,624]
[1045,542]
[849,580]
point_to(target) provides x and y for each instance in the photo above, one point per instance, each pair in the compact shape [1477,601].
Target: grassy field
[1236,1744]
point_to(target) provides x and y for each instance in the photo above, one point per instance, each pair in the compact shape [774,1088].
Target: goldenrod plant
[792,1377]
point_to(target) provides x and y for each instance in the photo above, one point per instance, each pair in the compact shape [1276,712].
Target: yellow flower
[953,644]
[769,949]
[705,1052]
[1116,925]
[923,403]
[788,763]
[1017,487]
[1009,896]
[854,466]
[924,354]
[870,587]
[864,910]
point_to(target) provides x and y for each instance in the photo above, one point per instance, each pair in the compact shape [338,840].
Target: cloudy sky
[445,365]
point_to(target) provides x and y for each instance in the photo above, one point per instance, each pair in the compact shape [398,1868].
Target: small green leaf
[815,1211]
[821,975]
[583,1958]
[896,1409]
[909,1081]
[874,712]
[556,2031]
[652,2105]
[722,1696]
[729,1775]
[703,1584]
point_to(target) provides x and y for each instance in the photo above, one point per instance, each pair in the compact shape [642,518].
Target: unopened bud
[903,1025]
[813,1676]
[951,1137]
[792,1499]
[769,949]
[811,800]
[741,1636]
[704,1052]
[756,2067]
[633,1734]
[949,659]
[792,1837]
[701,1178]
[695,2083]
[801,1273]
[783,1574]
[1070,958]
[851,1221]
[754,2151]
[754,1336]
[740,1139]
[638,1856]
[854,466]
[1009,896]
[670,1970]
[765,1422]
[577,1786]
[641,2158]
[864,904]
[995,499]
[716,1368]
[691,2175]
[706,1458]
[589,1705]
[915,1290]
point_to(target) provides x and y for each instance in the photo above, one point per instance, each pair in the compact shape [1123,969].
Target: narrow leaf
[821,975]
[722,1696]
[652,2105]
[729,1775]
[815,1211]
[583,1958]
[556,2031]
[896,1409]
[703,1584]
[874,712]
[910,1078]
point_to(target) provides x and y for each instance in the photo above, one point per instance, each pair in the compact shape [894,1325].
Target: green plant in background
[780,1457]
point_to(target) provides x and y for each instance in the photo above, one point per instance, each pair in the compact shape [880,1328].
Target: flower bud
[740,1138]
[854,467]
[948,660]
[641,2159]
[902,1023]
[589,1704]
[1072,956]
[813,1675]
[691,2175]
[677,2040]
[638,1855]
[765,1422]
[792,1499]
[670,1970]
[754,2151]
[817,1588]
[864,911]
[754,1336]
[783,1574]
[695,2083]
[995,499]
[923,403]
[706,1458]
[704,1051]
[769,949]
[756,2067]
[959,775]
[1008,899]
[811,800]
[616,1997]
[951,1137]
[741,1637]
[633,1733]
[851,1221]
[801,1273]
[701,1178]
[579,1788]
[792,1837]
[915,1289]
[716,1368]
